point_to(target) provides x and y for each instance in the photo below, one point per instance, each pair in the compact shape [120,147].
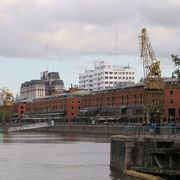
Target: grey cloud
[164,13]
[87,26]
[97,12]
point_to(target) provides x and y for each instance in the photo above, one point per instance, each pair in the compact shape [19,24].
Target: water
[28,156]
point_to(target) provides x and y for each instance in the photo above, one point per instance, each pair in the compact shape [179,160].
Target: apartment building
[49,84]
[105,75]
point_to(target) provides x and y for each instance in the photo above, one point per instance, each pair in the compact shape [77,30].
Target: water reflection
[53,156]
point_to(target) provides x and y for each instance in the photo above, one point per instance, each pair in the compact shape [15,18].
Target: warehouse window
[171,92]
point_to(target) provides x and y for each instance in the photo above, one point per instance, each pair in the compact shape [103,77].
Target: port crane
[6,97]
[153,83]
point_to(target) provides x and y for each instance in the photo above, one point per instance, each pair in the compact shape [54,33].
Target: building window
[171,92]
[72,107]
[72,102]
[72,114]
[171,101]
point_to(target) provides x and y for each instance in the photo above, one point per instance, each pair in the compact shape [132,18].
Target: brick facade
[19,109]
[172,102]
[127,96]
[117,97]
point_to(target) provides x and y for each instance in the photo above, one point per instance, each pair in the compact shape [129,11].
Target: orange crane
[153,83]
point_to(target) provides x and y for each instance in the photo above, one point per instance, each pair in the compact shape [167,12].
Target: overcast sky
[67,35]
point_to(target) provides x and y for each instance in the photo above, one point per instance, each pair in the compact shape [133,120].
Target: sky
[67,36]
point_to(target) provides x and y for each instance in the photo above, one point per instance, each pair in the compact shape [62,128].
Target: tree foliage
[176,60]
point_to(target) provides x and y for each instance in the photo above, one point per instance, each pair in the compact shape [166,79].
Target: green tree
[2,116]
[176,60]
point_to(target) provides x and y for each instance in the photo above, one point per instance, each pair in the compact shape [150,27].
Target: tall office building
[105,75]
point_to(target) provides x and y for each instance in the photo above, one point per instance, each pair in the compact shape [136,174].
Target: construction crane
[153,83]
[6,97]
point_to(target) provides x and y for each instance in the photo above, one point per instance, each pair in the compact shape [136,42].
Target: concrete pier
[155,155]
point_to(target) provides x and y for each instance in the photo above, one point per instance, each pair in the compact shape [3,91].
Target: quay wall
[78,129]
[128,130]
[112,130]
[86,129]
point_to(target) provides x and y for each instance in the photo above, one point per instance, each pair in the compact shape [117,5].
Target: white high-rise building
[105,75]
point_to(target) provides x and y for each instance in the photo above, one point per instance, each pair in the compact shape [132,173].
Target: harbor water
[34,156]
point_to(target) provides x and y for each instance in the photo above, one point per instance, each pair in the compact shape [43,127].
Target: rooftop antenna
[116,34]
[46,49]
[46,54]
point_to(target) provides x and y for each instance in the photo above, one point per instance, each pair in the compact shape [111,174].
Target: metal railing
[134,129]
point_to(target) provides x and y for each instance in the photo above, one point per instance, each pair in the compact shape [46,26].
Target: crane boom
[150,64]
